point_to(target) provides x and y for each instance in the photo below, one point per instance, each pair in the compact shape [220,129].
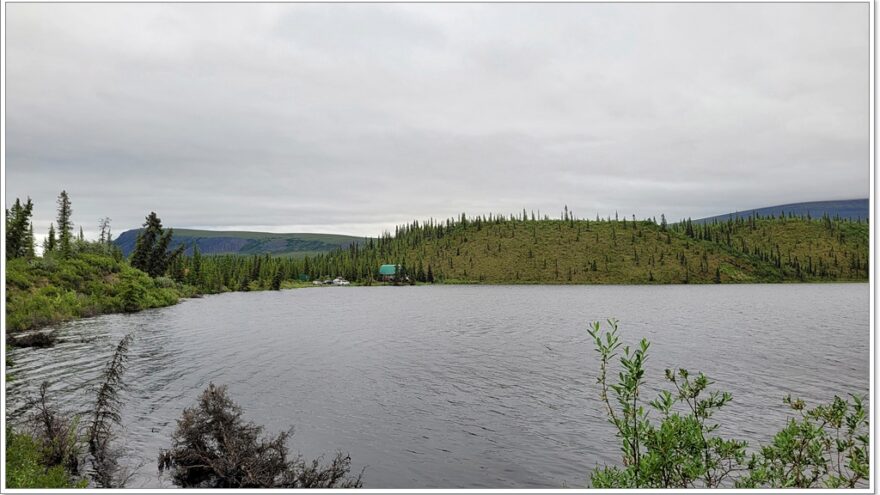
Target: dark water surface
[457,386]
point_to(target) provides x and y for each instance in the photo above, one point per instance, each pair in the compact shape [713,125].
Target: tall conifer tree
[151,249]
[65,226]
[18,221]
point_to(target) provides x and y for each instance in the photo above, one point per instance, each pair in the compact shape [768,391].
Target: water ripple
[468,386]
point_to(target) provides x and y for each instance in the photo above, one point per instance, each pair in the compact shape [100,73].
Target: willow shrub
[678,446]
[49,290]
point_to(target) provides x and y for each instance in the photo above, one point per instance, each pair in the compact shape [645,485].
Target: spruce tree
[276,279]
[65,226]
[104,228]
[18,222]
[151,248]
[195,272]
[50,244]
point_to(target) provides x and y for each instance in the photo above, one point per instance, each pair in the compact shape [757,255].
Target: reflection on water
[456,386]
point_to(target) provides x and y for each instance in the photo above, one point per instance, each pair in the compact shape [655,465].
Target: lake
[457,386]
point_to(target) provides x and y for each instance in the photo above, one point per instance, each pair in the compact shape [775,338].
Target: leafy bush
[213,447]
[164,283]
[49,290]
[132,296]
[826,447]
[17,273]
[25,467]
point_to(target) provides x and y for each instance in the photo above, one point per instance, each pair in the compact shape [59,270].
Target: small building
[387,273]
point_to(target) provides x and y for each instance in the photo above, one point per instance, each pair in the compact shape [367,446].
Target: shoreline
[296,286]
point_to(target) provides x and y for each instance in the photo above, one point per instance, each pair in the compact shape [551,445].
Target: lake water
[457,386]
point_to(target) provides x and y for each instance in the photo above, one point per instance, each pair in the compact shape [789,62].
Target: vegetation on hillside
[680,447]
[48,290]
[74,277]
[498,249]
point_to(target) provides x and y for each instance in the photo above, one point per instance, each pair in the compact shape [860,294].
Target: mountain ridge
[302,244]
[246,242]
[850,209]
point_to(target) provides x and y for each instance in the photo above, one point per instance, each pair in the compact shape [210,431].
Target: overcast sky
[354,118]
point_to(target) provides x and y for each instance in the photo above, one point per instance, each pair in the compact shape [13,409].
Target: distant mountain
[853,209]
[233,242]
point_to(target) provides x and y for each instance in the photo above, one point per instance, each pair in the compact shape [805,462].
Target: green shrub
[164,283]
[132,296]
[17,273]
[826,447]
[50,290]
[25,466]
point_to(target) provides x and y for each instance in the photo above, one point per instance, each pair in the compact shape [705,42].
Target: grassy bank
[49,290]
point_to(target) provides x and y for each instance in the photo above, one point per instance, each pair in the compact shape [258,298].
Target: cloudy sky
[354,118]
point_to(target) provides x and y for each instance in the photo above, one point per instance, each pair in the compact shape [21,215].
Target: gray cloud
[353,118]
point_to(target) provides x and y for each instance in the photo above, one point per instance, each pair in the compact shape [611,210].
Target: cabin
[387,273]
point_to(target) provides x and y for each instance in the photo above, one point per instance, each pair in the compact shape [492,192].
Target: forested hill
[852,209]
[233,242]
[508,250]
[521,250]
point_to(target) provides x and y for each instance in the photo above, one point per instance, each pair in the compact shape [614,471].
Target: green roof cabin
[387,272]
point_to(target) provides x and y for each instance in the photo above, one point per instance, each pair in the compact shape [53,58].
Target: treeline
[78,277]
[523,249]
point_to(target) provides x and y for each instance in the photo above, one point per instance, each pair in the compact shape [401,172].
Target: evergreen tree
[195,272]
[18,223]
[50,243]
[104,228]
[151,253]
[276,280]
[65,226]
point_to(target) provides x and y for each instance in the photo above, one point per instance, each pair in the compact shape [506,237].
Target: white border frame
[872,258]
